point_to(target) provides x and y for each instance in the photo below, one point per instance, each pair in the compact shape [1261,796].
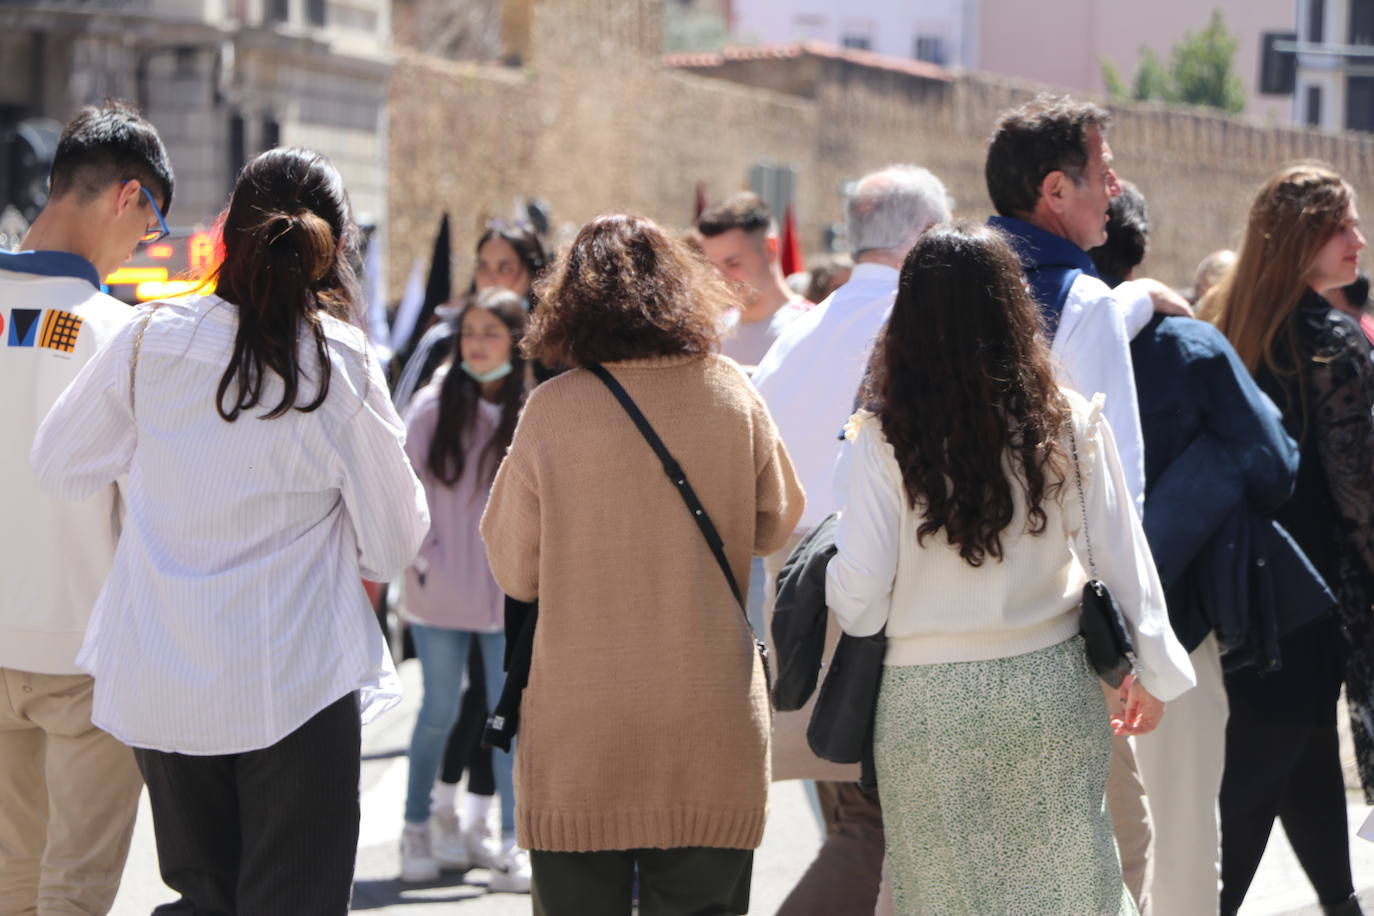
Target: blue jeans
[443,656]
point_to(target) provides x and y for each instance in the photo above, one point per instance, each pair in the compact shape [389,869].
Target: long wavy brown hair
[1293,216]
[626,290]
[962,382]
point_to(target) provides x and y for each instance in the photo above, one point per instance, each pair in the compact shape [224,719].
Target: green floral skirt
[993,777]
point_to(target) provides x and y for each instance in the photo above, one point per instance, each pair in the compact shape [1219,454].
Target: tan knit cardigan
[645,722]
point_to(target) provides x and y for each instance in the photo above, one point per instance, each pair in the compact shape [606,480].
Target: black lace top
[1326,399]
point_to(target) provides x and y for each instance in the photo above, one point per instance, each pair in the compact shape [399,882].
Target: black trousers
[266,832]
[1292,772]
[464,750]
[689,881]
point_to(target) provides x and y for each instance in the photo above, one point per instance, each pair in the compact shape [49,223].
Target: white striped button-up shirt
[234,611]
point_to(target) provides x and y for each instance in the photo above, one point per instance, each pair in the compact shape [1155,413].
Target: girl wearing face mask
[458,429]
[508,256]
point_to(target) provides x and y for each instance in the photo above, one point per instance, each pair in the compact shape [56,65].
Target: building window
[1359,103]
[858,42]
[1316,20]
[930,48]
[185,63]
[314,12]
[271,132]
[236,149]
[279,10]
[1362,22]
[1314,106]
[807,28]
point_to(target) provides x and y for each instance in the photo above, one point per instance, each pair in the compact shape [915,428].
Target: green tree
[1111,77]
[1199,71]
[1152,81]
[1201,68]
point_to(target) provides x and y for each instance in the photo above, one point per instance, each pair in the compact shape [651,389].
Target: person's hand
[1135,711]
[1165,300]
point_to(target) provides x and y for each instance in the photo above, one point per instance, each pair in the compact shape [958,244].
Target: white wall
[891,26]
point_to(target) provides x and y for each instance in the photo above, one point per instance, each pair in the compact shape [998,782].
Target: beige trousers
[1181,763]
[68,796]
[1131,820]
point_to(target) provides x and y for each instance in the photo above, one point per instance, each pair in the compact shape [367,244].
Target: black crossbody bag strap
[679,480]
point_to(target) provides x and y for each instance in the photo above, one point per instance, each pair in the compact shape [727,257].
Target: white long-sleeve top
[234,611]
[937,608]
[1092,353]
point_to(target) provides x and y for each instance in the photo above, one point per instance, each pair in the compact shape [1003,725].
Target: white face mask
[493,375]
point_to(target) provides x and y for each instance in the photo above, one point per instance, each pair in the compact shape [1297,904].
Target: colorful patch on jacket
[49,329]
[60,330]
[23,327]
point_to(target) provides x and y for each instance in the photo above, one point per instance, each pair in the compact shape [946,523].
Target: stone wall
[595,121]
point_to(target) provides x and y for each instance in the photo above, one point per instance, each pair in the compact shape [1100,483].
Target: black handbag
[1110,648]
[698,512]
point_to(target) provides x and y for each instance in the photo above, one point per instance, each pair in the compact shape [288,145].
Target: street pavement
[790,841]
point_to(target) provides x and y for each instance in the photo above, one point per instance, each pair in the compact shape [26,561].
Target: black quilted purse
[1111,651]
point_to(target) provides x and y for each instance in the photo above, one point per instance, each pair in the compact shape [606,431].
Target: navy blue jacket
[1214,444]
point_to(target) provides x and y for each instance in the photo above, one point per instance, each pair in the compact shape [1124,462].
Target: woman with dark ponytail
[232,645]
[458,429]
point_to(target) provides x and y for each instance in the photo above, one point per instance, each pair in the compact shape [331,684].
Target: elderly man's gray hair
[889,209]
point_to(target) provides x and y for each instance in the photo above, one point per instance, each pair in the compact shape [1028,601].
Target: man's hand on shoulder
[1164,298]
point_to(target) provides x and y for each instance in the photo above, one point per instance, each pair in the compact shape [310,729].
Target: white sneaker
[449,846]
[483,846]
[511,874]
[417,860]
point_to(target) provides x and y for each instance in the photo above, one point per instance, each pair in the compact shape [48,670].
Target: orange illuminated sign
[200,252]
[131,275]
[165,289]
[162,252]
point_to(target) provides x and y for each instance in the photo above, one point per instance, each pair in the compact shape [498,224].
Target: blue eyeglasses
[161,232]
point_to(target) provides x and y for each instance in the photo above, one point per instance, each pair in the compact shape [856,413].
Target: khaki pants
[68,796]
[1181,763]
[1131,820]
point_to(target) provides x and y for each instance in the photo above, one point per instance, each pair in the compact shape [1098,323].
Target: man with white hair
[810,378]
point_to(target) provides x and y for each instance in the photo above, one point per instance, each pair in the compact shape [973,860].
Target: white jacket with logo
[54,553]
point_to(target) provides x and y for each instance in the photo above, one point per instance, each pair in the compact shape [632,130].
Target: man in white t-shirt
[68,791]
[738,237]
[810,379]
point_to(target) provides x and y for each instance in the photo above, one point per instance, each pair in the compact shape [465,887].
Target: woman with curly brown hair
[977,496]
[644,725]
[1282,749]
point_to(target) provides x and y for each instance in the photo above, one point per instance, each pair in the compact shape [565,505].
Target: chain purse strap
[133,364]
[1082,500]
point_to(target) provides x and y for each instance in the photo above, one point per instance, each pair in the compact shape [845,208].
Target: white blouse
[938,608]
[234,611]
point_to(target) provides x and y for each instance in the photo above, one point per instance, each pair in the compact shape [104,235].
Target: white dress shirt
[1092,354]
[810,377]
[937,608]
[234,611]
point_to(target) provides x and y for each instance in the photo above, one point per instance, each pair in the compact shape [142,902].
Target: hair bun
[303,237]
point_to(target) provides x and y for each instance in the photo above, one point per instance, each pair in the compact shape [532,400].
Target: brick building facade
[596,120]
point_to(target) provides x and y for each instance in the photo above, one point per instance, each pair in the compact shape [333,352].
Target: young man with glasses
[68,791]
